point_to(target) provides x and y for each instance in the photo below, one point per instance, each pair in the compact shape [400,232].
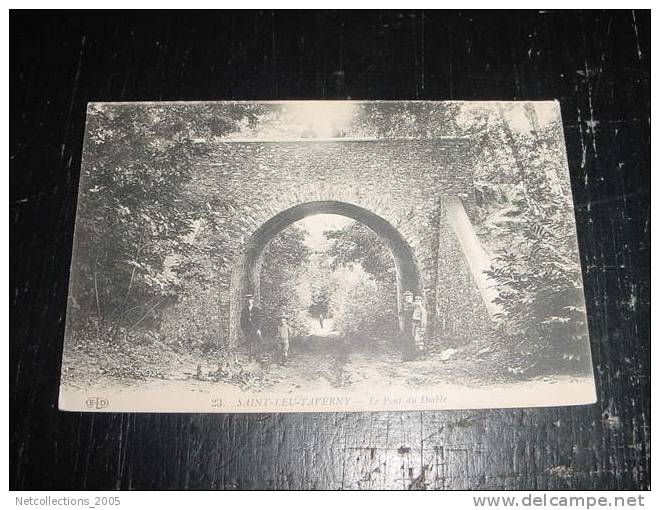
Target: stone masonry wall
[460,313]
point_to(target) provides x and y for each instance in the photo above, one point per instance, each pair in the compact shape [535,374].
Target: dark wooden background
[596,63]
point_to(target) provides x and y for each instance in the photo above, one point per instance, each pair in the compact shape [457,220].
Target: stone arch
[246,273]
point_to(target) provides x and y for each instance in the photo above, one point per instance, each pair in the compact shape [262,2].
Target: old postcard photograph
[324,256]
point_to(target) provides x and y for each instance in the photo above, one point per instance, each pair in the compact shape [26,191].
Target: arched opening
[246,276]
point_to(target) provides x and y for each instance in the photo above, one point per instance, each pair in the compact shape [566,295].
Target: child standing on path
[419,323]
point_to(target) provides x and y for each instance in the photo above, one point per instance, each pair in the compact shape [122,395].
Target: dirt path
[328,360]
[323,360]
[320,364]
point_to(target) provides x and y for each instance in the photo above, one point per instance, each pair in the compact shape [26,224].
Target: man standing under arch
[251,326]
[407,340]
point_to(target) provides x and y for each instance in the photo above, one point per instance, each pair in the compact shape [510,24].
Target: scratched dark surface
[596,63]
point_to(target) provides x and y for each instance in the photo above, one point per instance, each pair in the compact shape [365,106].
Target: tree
[365,299]
[358,244]
[283,272]
[322,284]
[389,120]
[138,215]
[536,263]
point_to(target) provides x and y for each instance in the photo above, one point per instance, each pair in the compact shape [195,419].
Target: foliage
[389,120]
[283,267]
[137,215]
[240,371]
[364,300]
[536,263]
[354,281]
[358,244]
[322,284]
[364,307]
[194,321]
[131,355]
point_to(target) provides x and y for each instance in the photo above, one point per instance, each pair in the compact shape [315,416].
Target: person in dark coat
[251,326]
[407,339]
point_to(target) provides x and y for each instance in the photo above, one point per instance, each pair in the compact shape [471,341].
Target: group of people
[413,328]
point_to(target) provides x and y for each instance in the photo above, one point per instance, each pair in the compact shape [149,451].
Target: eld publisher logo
[97,403]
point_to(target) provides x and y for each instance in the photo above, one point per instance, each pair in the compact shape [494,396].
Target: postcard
[312,256]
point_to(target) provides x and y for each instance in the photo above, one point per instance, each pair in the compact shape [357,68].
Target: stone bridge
[412,192]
